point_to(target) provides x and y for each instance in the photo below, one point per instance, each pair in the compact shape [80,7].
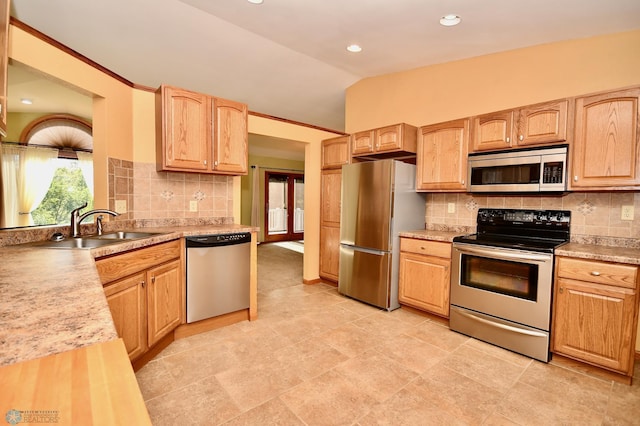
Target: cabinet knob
[508,140]
[595,273]
[575,178]
[153,279]
[462,182]
[561,290]
[204,162]
[143,284]
[521,137]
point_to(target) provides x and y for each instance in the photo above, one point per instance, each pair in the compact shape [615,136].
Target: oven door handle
[520,255]
[502,326]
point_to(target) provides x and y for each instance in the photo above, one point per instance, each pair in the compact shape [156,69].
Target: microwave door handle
[504,254]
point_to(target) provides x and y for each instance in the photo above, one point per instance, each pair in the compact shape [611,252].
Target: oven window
[502,175]
[500,276]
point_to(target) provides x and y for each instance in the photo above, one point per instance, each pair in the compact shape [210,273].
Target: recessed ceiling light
[450,20]
[26,101]
[255,1]
[354,48]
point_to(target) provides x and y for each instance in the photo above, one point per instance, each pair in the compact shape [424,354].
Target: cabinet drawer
[598,272]
[429,248]
[121,265]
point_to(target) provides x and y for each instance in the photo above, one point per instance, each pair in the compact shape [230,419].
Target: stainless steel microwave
[523,170]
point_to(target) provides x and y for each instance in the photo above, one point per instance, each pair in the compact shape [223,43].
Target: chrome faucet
[76,218]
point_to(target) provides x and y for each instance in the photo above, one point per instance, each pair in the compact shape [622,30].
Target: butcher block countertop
[53,301]
[87,386]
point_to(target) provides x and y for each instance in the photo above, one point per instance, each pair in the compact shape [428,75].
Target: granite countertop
[53,300]
[424,234]
[599,252]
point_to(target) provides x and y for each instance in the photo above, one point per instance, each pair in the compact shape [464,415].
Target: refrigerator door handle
[364,250]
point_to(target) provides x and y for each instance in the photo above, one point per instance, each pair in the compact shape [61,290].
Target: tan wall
[112,110]
[493,82]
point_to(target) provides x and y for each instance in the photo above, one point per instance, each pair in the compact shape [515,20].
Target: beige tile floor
[316,358]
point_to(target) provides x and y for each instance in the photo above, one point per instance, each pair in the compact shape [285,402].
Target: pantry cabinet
[331,182]
[441,163]
[606,145]
[145,293]
[4,62]
[200,133]
[335,152]
[539,124]
[398,138]
[425,273]
[595,312]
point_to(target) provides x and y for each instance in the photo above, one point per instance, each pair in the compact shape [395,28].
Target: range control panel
[510,217]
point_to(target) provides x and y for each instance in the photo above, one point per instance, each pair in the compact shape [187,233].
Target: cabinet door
[335,152]
[542,123]
[185,137]
[4,45]
[164,300]
[127,304]
[424,282]
[606,147]
[231,137]
[329,252]
[442,157]
[362,142]
[330,197]
[594,323]
[492,131]
[388,138]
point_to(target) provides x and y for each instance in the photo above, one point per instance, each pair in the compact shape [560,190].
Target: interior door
[284,206]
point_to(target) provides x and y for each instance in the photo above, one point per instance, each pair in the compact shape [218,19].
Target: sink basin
[75,243]
[123,235]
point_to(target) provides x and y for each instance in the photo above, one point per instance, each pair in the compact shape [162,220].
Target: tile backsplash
[162,195]
[592,213]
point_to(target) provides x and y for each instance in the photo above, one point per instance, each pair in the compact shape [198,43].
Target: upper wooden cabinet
[230,155]
[335,152]
[537,124]
[606,147]
[200,133]
[442,157]
[4,58]
[398,138]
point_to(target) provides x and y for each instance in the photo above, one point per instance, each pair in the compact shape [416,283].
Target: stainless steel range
[502,278]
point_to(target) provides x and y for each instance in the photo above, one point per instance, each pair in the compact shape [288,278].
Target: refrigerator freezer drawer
[365,275]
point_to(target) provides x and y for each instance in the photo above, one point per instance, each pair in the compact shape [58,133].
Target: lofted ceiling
[288,58]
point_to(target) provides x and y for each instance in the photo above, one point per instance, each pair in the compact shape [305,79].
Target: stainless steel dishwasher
[217,274]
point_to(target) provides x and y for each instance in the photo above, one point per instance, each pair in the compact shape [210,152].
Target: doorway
[284,206]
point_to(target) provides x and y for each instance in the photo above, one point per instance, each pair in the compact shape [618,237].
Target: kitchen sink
[93,241]
[124,235]
[75,243]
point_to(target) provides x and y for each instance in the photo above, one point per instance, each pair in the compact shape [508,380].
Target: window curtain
[85,160]
[9,155]
[35,172]
[255,196]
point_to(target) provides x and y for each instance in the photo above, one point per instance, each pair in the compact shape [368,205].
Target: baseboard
[151,353]
[313,281]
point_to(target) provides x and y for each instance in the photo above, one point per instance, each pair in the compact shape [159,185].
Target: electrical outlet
[451,207]
[121,206]
[193,206]
[627,213]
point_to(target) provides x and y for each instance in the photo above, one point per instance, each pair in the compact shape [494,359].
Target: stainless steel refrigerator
[378,202]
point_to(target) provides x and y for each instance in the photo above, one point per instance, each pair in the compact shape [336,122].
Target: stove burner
[534,230]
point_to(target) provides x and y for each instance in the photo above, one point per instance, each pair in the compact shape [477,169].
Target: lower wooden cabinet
[425,272]
[595,313]
[126,299]
[144,290]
